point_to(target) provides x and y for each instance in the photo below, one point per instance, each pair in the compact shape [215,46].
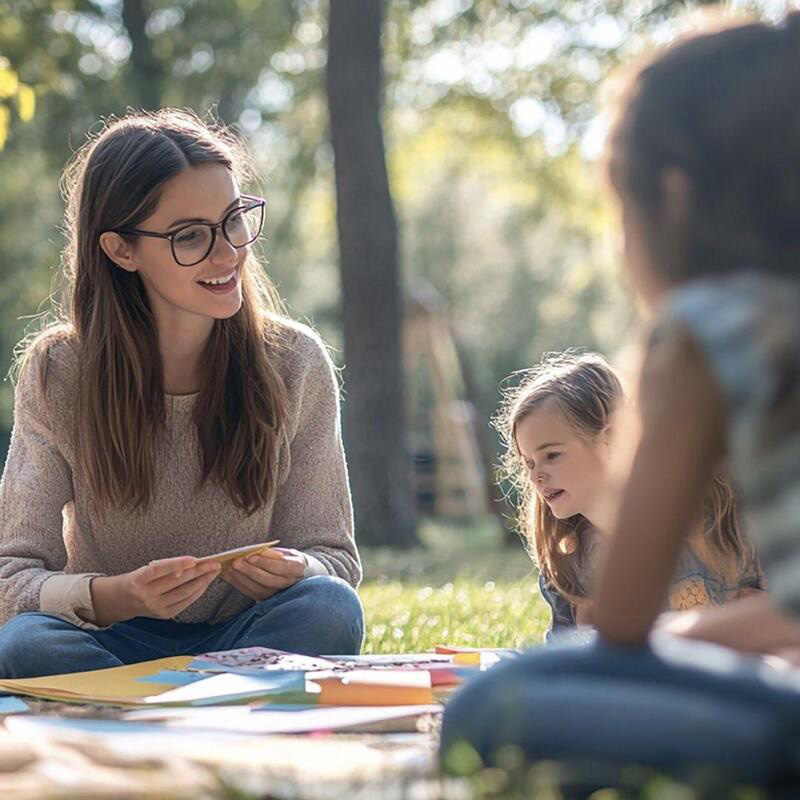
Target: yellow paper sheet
[114,685]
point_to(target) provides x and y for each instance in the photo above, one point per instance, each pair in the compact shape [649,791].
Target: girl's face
[567,470]
[181,295]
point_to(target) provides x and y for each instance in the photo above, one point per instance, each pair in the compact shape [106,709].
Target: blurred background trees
[492,138]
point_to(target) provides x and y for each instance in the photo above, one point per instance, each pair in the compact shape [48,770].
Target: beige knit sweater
[52,541]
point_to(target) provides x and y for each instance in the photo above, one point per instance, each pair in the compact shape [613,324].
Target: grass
[463,586]
[470,584]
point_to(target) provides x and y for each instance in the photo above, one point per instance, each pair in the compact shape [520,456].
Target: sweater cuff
[70,597]
[314,566]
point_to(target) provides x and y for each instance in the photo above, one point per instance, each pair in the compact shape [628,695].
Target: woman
[175,413]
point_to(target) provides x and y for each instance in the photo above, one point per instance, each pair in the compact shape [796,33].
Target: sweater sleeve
[313,510]
[35,487]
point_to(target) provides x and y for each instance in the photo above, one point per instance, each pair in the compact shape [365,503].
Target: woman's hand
[161,590]
[260,576]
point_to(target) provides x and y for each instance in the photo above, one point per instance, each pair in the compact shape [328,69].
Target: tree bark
[146,71]
[374,408]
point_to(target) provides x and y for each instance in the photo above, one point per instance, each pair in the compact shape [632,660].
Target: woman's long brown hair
[115,181]
[587,391]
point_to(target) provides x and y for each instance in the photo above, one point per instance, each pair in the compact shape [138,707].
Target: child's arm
[681,440]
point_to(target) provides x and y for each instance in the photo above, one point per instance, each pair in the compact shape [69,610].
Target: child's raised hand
[260,576]
[161,590]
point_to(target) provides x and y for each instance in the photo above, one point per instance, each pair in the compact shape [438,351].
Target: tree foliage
[490,119]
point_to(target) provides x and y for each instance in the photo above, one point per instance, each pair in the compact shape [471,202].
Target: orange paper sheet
[372,688]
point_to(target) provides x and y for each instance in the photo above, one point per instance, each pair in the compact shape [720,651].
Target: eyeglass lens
[193,243]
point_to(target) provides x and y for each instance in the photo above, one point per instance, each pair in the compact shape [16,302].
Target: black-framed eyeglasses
[192,242]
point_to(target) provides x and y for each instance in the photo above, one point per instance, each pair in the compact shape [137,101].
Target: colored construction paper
[13,705]
[374,687]
[173,677]
[116,685]
[231,688]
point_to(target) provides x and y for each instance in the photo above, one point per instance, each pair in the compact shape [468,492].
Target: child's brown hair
[722,107]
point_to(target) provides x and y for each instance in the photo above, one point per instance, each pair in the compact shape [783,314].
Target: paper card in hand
[226,556]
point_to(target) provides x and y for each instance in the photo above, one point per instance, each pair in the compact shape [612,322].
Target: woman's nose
[223,251]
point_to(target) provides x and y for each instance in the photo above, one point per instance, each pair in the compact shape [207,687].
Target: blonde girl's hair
[584,388]
[587,391]
[115,181]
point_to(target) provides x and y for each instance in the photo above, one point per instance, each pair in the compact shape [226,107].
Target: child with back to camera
[703,158]
[557,425]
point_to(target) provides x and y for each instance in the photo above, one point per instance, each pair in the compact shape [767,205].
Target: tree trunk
[146,71]
[374,409]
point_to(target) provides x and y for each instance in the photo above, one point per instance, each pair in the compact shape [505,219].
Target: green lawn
[464,586]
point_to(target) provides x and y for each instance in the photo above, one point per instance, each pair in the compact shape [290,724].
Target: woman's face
[180,294]
[567,470]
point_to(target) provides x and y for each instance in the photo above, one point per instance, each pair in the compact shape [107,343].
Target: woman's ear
[118,250]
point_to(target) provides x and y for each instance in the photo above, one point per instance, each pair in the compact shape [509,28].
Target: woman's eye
[187,238]
[553,456]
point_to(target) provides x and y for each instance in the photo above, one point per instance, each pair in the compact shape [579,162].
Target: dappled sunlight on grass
[406,618]
[468,584]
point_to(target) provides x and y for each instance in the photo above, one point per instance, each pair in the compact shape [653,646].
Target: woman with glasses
[173,413]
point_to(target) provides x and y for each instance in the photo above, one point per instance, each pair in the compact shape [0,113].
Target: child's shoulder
[740,304]
[745,326]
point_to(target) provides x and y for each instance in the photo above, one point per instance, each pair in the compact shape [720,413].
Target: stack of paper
[258,690]
[115,686]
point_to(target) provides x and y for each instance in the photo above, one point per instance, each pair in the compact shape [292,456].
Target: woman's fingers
[172,580]
[263,577]
[187,589]
[175,608]
[283,567]
[248,587]
[166,567]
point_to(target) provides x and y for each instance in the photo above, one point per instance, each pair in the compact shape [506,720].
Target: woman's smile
[220,284]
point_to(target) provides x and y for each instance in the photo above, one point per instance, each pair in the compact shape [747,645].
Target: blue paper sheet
[13,705]
[173,677]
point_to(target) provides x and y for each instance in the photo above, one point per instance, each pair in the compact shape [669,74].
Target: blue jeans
[318,615]
[673,705]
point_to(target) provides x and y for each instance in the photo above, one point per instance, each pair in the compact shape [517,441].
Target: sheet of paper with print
[257,659]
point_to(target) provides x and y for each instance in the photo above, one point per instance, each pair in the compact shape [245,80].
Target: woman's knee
[333,607]
[27,643]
